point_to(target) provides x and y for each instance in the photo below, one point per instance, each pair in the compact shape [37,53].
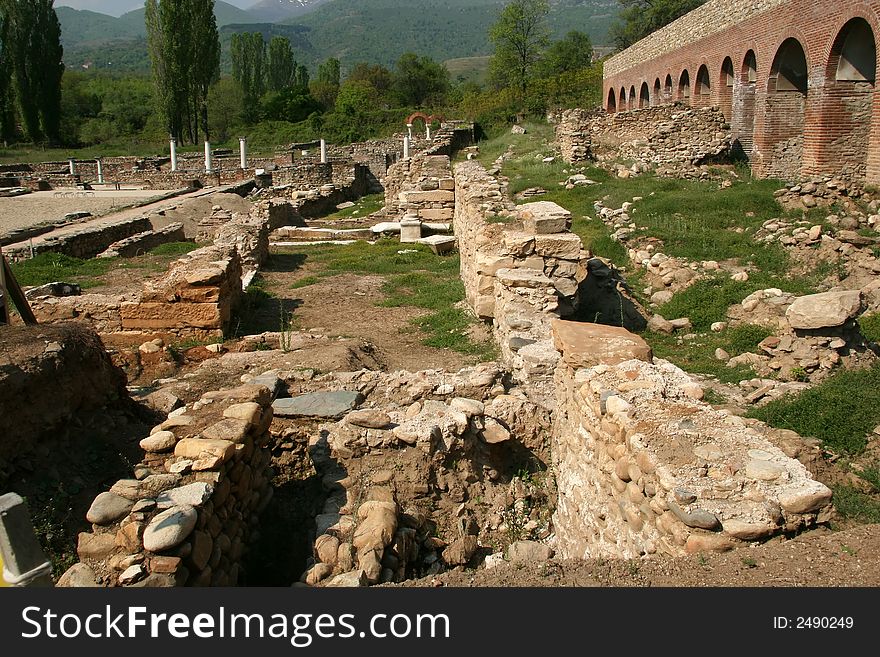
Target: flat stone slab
[439,244]
[331,405]
[586,345]
[825,310]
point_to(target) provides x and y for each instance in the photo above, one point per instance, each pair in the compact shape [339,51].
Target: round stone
[170,528]
[763,470]
[108,508]
[162,441]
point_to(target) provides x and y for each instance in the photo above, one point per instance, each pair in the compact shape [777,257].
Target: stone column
[209,161]
[100,162]
[410,228]
[405,147]
[428,132]
[323,152]
[174,155]
[409,129]
[242,147]
[24,563]
[72,164]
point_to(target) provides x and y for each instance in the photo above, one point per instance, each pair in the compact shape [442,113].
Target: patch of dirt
[818,558]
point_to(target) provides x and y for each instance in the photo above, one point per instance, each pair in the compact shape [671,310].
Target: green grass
[175,249]
[870,325]
[364,206]
[853,504]
[840,411]
[698,355]
[415,278]
[52,267]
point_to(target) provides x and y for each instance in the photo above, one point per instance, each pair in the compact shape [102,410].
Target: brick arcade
[796,80]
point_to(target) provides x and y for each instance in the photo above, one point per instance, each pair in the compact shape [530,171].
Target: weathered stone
[461,551]
[195,448]
[250,412]
[763,470]
[825,310]
[78,576]
[808,497]
[494,432]
[170,528]
[708,543]
[318,573]
[195,495]
[699,518]
[747,530]
[95,546]
[529,552]
[327,549]
[353,579]
[162,441]
[587,345]
[368,418]
[233,430]
[332,405]
[470,407]
[108,508]
[544,218]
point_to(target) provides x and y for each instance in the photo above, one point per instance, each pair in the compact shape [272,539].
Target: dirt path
[347,306]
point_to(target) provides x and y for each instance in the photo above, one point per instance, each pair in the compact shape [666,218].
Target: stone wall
[101,311]
[188,515]
[735,49]
[667,137]
[143,242]
[195,298]
[644,467]
[86,242]
[423,186]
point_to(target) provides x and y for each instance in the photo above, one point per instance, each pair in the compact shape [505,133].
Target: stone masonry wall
[191,510]
[84,243]
[644,467]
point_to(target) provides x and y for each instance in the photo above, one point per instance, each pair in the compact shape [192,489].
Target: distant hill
[376,31]
[273,11]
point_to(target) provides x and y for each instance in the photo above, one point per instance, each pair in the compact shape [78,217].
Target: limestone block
[544,218]
[565,246]
[171,315]
[587,345]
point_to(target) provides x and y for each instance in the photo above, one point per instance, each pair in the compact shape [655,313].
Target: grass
[853,504]
[415,277]
[366,205]
[698,355]
[841,411]
[870,326]
[175,249]
[51,267]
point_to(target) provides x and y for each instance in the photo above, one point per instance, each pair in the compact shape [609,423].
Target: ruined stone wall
[737,45]
[188,515]
[195,298]
[644,467]
[422,185]
[663,136]
[84,243]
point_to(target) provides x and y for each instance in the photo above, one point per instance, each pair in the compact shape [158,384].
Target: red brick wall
[833,130]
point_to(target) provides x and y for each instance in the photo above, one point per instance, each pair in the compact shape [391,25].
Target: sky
[119,7]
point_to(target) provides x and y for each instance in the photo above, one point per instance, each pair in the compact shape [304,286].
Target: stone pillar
[174,155]
[427,132]
[242,147]
[100,162]
[323,152]
[24,563]
[409,130]
[410,228]
[209,161]
[72,163]
[405,147]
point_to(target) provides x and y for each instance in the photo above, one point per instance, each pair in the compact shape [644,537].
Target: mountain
[225,13]
[382,30]
[274,11]
[82,26]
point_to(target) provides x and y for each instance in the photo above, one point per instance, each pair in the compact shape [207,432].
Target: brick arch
[786,111]
[611,107]
[658,92]
[844,110]
[749,68]
[667,88]
[684,87]
[726,85]
[702,94]
[621,103]
[644,96]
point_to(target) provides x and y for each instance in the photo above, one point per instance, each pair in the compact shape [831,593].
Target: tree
[226,104]
[249,70]
[519,36]
[572,53]
[281,67]
[184,49]
[325,86]
[419,80]
[204,59]
[7,116]
[377,76]
[639,18]
[31,53]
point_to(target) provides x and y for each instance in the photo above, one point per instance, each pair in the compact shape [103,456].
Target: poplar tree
[47,77]
[7,118]
[249,70]
[204,58]
[281,67]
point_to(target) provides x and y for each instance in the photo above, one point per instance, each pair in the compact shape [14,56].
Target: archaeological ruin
[796,81]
